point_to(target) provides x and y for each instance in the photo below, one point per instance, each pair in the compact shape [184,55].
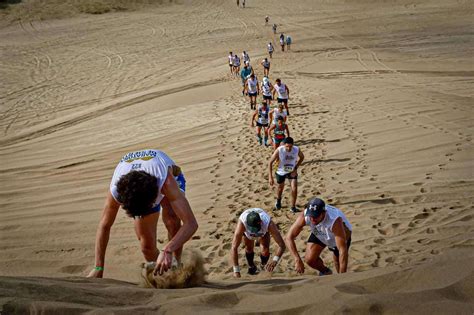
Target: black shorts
[281,178]
[262,125]
[267,97]
[313,239]
[282,100]
[253,94]
[268,68]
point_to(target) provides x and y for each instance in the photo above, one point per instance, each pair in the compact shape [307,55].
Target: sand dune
[381,105]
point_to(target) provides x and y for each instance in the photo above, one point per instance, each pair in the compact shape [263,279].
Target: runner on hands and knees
[329,228]
[252,88]
[280,132]
[289,158]
[144,181]
[262,122]
[266,20]
[256,225]
[283,93]
[266,67]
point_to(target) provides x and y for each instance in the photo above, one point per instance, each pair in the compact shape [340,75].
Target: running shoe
[325,273]
[294,210]
[253,270]
[278,205]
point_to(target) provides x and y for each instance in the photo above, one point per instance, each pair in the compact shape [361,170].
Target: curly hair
[137,192]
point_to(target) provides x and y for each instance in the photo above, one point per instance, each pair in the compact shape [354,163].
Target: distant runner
[329,228]
[252,87]
[266,67]
[289,158]
[288,42]
[262,122]
[283,93]
[280,132]
[266,20]
[245,57]
[244,75]
[144,181]
[255,224]
[231,63]
[282,42]
[270,49]
[236,63]
[274,27]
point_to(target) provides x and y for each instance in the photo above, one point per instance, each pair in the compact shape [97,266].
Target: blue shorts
[182,186]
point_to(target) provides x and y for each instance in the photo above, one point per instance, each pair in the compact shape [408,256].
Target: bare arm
[234,255]
[287,129]
[109,214]
[287,91]
[341,243]
[301,158]
[292,234]
[181,207]
[253,118]
[270,165]
[273,229]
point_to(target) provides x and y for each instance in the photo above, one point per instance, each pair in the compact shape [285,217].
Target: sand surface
[381,105]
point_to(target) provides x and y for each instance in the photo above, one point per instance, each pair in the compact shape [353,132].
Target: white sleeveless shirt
[265,223]
[323,230]
[277,113]
[252,85]
[281,90]
[287,159]
[266,89]
[153,162]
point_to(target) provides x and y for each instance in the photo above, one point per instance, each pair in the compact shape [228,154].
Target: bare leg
[280,190]
[172,224]
[336,262]
[313,251]
[294,191]
[145,228]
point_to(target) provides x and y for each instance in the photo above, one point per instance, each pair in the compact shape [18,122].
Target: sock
[249,257]
[264,259]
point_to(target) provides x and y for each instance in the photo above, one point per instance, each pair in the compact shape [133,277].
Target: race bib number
[288,168]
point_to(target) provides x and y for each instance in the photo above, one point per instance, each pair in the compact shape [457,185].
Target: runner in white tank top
[262,115]
[270,49]
[266,67]
[231,62]
[252,88]
[289,159]
[283,93]
[329,228]
[277,112]
[255,224]
[141,182]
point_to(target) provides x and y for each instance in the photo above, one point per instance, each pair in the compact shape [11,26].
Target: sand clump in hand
[191,273]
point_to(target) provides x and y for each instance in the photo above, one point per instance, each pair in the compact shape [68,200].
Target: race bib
[288,168]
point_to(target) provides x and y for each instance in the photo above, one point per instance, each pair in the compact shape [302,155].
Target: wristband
[276,258]
[99,268]
[236,269]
